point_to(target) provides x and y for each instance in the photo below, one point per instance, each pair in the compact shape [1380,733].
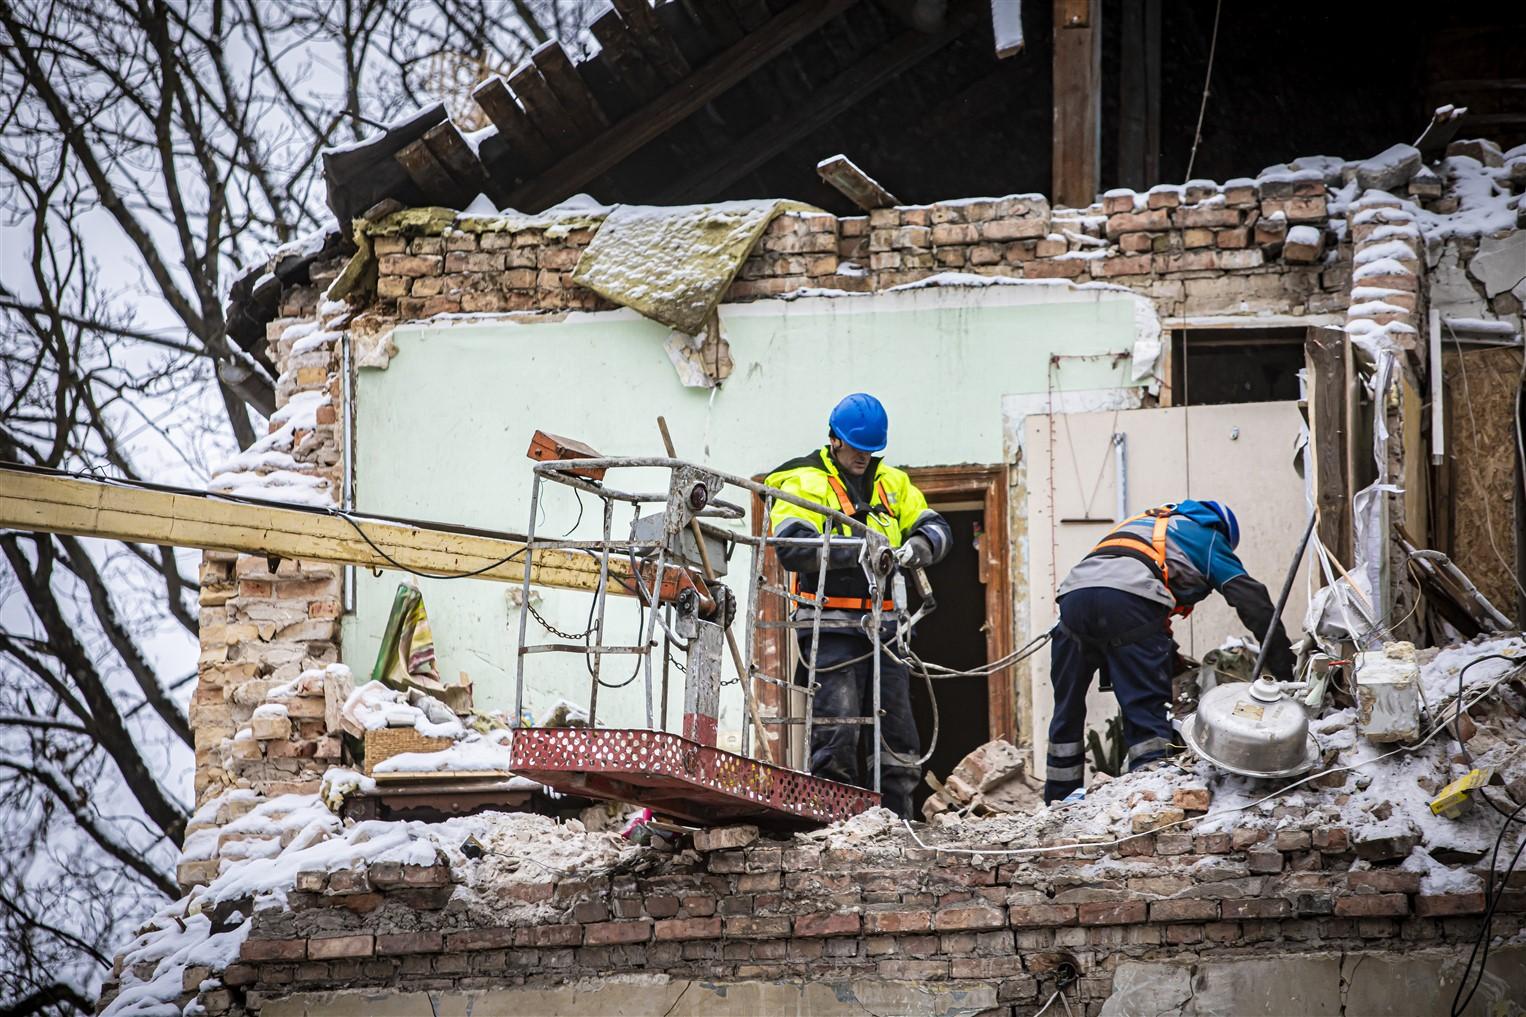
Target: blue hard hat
[1227,522]
[860,421]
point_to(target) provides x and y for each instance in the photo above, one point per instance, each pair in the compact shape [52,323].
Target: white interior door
[1241,454]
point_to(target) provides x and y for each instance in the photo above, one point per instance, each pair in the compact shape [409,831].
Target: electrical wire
[1213,45]
[1493,896]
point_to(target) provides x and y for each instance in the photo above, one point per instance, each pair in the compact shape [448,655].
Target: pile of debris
[991,781]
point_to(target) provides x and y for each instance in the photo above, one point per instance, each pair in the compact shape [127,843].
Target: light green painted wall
[441,433]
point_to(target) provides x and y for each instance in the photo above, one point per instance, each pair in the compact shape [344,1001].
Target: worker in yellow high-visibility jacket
[848,475]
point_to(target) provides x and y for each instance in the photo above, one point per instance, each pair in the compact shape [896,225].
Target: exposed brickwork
[950,919]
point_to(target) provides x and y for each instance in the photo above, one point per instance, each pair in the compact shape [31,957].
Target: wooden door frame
[985,484]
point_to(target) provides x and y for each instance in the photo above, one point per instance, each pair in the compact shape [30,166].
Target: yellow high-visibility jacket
[894,507]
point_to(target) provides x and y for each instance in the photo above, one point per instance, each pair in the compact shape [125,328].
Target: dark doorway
[1214,366]
[954,636]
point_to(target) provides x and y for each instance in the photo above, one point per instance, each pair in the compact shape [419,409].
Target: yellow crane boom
[43,501]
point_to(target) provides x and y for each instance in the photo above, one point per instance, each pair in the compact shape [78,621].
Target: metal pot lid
[1310,758]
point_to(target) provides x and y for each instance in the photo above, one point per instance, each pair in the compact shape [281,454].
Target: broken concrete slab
[1500,263]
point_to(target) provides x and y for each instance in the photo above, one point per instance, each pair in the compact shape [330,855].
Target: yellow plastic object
[1454,797]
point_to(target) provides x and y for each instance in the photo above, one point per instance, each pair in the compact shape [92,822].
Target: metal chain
[552,628]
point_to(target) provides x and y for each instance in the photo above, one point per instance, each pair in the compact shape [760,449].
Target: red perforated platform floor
[678,777]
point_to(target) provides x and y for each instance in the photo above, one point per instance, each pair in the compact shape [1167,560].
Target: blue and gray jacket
[1199,561]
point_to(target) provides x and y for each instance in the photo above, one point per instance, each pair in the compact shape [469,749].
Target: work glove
[916,553]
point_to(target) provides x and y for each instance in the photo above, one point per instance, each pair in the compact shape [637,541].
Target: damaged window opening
[1218,366]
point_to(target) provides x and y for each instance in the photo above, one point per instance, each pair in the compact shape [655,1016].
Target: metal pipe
[1121,462]
[524,607]
[1438,390]
[1282,598]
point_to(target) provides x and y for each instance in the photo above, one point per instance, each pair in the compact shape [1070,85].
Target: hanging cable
[1213,45]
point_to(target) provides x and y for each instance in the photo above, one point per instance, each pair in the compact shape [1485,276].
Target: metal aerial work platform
[673,556]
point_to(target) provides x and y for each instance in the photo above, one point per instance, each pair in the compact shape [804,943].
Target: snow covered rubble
[270,849]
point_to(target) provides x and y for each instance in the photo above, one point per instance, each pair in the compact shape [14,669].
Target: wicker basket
[386,742]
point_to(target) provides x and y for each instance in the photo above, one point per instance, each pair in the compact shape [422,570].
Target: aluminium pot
[1252,729]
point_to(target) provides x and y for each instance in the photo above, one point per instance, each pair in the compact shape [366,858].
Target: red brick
[913,970]
[409,942]
[1292,840]
[1436,905]
[480,939]
[986,967]
[1185,910]
[550,935]
[273,950]
[1035,915]
[1222,932]
[1136,264]
[241,974]
[1211,844]
[957,918]
[897,921]
[688,928]
[1331,839]
[1372,905]
[606,933]
[827,923]
[1136,222]
[1179,935]
[1384,880]
[1126,912]
[1216,216]
[330,947]
[1192,799]
[758,926]
[1257,907]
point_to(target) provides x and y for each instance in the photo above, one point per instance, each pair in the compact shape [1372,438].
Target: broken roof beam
[545,109]
[429,175]
[599,155]
[528,150]
[844,92]
[653,38]
[854,184]
[551,60]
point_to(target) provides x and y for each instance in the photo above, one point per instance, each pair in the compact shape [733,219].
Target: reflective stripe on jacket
[894,508]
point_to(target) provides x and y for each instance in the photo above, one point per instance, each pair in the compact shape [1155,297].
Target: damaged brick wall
[264,622]
[1198,249]
[762,910]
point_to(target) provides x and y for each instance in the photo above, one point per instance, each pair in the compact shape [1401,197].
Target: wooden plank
[716,19]
[594,158]
[854,184]
[570,89]
[530,150]
[1327,429]
[842,93]
[45,503]
[653,39]
[544,109]
[624,55]
[1139,95]
[753,14]
[452,151]
[430,175]
[1077,101]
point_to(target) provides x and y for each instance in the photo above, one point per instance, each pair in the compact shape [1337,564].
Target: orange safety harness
[1153,550]
[845,504]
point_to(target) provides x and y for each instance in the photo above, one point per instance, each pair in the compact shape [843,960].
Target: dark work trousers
[845,752]
[1127,635]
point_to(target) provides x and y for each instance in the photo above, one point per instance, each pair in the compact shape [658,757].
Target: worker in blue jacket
[1116,607]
